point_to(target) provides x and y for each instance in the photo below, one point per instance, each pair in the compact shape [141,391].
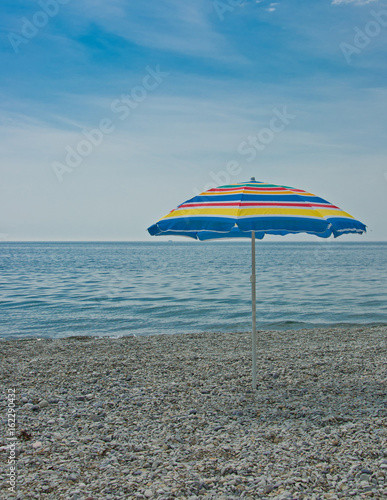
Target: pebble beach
[174,416]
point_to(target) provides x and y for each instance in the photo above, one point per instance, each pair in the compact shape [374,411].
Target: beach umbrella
[251,210]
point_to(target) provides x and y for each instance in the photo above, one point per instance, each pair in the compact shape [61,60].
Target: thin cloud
[169,25]
[272,7]
[355,2]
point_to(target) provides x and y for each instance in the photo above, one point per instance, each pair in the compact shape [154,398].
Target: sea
[54,290]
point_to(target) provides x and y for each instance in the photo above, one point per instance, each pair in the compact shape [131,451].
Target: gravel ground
[173,416]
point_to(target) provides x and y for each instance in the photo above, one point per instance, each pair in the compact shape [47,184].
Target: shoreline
[174,416]
[268,328]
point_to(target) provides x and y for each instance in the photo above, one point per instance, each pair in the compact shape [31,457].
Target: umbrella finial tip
[252,179]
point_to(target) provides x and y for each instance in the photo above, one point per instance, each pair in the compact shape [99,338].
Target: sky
[113,113]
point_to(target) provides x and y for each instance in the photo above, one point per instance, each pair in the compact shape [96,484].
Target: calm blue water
[62,289]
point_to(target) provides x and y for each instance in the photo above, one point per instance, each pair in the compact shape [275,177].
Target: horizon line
[193,240]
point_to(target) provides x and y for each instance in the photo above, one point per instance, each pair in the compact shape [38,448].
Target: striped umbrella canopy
[251,210]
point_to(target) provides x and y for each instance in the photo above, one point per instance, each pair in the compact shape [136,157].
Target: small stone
[268,489]
[31,406]
[226,470]
[188,445]
[43,404]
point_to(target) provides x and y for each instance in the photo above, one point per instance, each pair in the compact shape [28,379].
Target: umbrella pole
[254,312]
